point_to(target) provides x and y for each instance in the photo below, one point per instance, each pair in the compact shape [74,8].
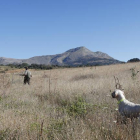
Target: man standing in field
[27,76]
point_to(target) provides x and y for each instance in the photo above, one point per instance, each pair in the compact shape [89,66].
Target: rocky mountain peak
[82,48]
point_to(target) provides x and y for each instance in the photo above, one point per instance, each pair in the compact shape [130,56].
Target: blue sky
[44,27]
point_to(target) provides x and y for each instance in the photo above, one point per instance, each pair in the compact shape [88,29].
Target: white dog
[126,108]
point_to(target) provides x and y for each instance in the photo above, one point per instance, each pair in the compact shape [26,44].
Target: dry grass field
[68,104]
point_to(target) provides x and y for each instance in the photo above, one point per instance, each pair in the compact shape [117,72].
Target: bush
[78,107]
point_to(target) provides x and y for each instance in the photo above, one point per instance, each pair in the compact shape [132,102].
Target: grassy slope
[67,104]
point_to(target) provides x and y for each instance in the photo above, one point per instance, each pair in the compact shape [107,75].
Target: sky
[46,27]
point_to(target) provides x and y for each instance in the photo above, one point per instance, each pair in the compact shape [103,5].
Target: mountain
[72,57]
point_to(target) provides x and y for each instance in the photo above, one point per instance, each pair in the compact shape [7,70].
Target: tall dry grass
[68,104]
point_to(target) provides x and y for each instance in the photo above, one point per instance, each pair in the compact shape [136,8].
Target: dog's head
[117,93]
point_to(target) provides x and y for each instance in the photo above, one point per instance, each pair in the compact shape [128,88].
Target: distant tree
[24,65]
[11,65]
[36,66]
[134,60]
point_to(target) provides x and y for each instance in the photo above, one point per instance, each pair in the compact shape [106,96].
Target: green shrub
[78,107]
[134,73]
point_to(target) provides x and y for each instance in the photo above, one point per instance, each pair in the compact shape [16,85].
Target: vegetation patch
[55,127]
[78,107]
[134,73]
[7,134]
[83,77]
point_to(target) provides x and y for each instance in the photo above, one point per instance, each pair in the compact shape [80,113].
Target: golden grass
[67,104]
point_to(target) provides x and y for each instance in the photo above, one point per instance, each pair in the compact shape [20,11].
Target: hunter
[27,76]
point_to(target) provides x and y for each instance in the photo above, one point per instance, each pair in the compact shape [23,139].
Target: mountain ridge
[72,57]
